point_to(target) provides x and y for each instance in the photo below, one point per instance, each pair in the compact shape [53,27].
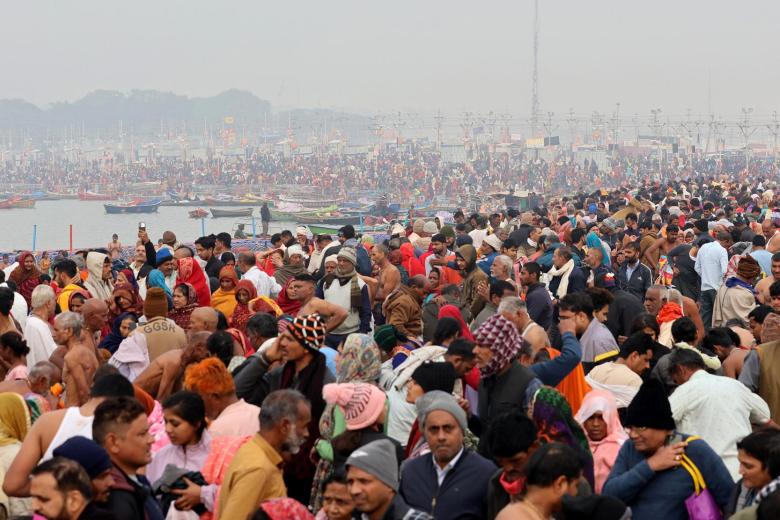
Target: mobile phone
[142,225]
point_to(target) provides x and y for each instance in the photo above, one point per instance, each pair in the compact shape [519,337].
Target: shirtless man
[661,247]
[55,427]
[762,287]
[204,319]
[164,375]
[389,276]
[114,247]
[95,313]
[304,292]
[80,362]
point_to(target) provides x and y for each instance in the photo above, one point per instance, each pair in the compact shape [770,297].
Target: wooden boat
[91,195]
[199,213]
[311,203]
[333,229]
[336,220]
[16,203]
[134,206]
[221,213]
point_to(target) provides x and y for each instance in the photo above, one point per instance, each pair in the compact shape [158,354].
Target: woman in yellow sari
[14,425]
[224,298]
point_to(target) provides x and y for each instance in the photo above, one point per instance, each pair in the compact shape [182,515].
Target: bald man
[95,313]
[203,319]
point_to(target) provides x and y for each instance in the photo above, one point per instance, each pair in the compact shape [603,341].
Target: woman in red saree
[26,276]
[190,272]
[185,300]
[286,302]
[245,292]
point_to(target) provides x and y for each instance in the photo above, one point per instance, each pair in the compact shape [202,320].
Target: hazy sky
[410,55]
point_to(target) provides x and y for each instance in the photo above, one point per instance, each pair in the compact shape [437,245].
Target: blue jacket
[486,263]
[552,372]
[661,495]
[463,493]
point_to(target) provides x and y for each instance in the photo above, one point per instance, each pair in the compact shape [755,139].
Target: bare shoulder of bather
[332,313]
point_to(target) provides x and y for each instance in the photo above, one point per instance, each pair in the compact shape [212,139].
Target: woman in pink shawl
[189,271]
[599,418]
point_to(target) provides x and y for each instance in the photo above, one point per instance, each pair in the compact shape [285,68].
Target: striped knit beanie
[501,337]
[308,330]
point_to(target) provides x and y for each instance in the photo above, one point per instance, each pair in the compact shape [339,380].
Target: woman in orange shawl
[245,292]
[224,298]
[26,275]
[190,272]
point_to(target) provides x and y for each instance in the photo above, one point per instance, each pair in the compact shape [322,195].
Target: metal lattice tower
[535,79]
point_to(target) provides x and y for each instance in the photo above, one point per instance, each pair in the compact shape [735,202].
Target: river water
[92,227]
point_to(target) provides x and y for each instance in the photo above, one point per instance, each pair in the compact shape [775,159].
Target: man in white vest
[345,289]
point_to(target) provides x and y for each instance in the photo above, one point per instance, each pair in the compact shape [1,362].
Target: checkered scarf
[501,337]
[308,330]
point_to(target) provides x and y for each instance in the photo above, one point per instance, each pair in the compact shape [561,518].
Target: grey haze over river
[92,227]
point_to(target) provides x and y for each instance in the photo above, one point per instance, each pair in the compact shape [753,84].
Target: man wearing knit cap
[429,377]
[166,264]
[736,297]
[505,383]
[372,479]
[94,459]
[453,475]
[647,475]
[347,290]
[304,369]
[162,334]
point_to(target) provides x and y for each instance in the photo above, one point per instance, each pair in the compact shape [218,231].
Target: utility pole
[535,79]
[616,125]
[774,128]
[657,126]
[548,125]
[598,123]
[438,118]
[572,122]
[398,124]
[744,128]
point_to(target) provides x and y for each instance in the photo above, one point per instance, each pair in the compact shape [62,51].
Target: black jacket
[640,282]
[130,499]
[213,266]
[577,282]
[539,305]
[623,310]
[462,494]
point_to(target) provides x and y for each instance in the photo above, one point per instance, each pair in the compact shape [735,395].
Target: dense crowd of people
[604,355]
[389,172]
